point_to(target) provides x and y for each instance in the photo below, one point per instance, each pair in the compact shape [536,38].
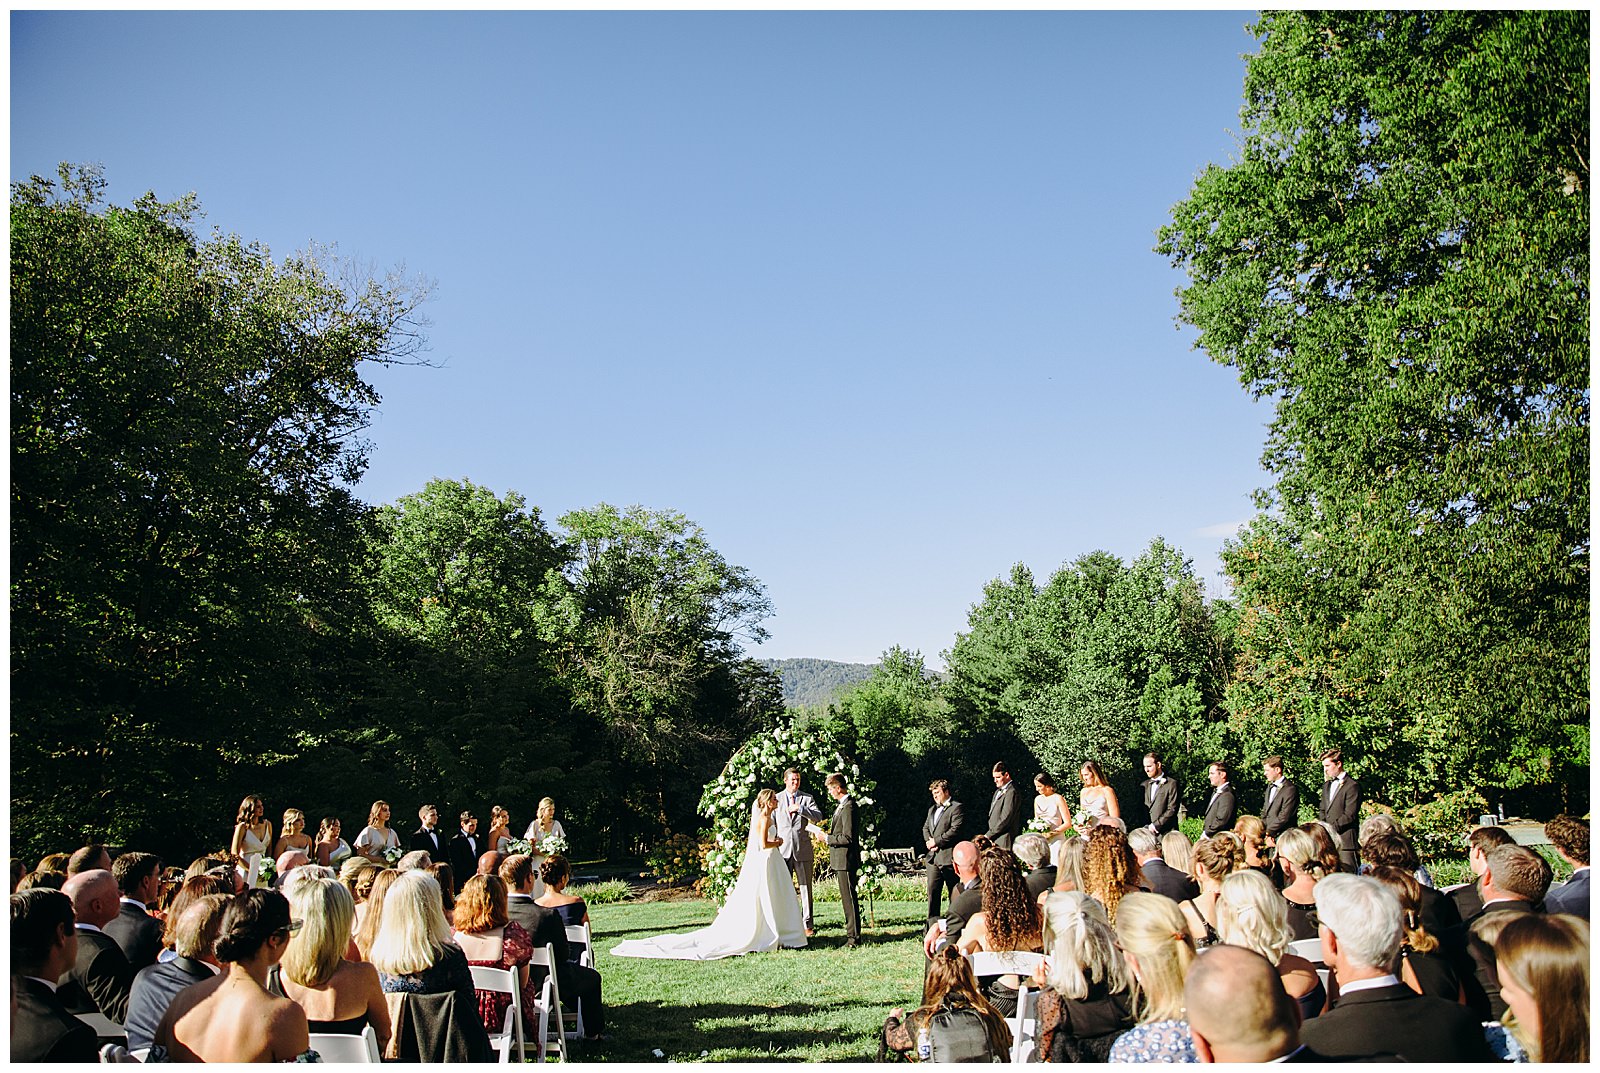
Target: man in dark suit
[966,900]
[844,855]
[1341,807]
[1570,837]
[580,985]
[1034,853]
[465,849]
[138,877]
[1160,796]
[155,986]
[1359,923]
[100,978]
[1159,876]
[1005,809]
[44,946]
[91,858]
[1281,809]
[1480,843]
[1514,881]
[428,837]
[1224,803]
[940,832]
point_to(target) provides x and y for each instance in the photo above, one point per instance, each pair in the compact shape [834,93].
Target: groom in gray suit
[795,809]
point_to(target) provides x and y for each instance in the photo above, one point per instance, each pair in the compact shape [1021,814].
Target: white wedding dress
[762,912]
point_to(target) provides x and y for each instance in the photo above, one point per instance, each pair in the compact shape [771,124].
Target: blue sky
[869,296]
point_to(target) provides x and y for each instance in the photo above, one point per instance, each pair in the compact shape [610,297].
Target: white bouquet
[266,872]
[1080,819]
[550,845]
[520,845]
[1039,826]
[392,855]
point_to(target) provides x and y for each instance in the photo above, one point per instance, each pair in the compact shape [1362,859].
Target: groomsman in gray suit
[796,808]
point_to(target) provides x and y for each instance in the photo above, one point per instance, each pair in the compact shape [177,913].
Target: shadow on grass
[687,1032]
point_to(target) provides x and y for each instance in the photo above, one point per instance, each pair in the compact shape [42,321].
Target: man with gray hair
[1360,928]
[416,860]
[1159,876]
[101,978]
[154,987]
[1034,853]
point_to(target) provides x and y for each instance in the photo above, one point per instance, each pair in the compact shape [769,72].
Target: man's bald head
[489,863]
[95,897]
[1238,1009]
[964,858]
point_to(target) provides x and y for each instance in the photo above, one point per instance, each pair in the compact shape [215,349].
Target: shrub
[605,892]
[677,860]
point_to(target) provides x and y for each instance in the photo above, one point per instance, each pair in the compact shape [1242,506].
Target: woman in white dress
[499,836]
[762,910]
[252,836]
[377,837]
[1051,807]
[330,849]
[1098,799]
[543,826]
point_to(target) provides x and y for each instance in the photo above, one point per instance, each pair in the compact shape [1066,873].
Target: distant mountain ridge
[816,682]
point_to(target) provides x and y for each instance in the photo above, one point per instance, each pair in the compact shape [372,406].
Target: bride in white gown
[762,910]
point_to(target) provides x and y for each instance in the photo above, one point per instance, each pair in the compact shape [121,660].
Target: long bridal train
[762,911]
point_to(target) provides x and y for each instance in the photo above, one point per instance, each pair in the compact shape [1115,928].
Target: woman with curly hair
[1009,920]
[1110,870]
[949,985]
[1215,859]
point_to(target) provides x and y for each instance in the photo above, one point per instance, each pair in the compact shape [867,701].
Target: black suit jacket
[43,1030]
[1283,811]
[544,925]
[153,991]
[1005,815]
[1343,810]
[1483,986]
[464,854]
[947,832]
[1163,802]
[1397,1020]
[1468,899]
[1040,880]
[1221,810]
[434,843]
[963,904]
[138,934]
[100,981]
[1162,878]
[844,847]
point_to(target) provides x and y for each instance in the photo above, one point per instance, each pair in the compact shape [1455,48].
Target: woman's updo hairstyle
[249,921]
[555,869]
[1220,855]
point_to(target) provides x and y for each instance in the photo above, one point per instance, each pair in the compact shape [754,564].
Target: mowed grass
[824,1003]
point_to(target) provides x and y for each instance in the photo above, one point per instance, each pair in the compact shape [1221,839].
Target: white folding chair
[579,933]
[343,1047]
[140,1053]
[504,981]
[116,1052]
[1322,974]
[549,1004]
[1310,949]
[105,1028]
[1025,1026]
[1004,962]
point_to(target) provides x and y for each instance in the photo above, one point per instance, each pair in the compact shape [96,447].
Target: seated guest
[1468,897]
[1359,923]
[1215,859]
[191,890]
[1327,843]
[54,862]
[1069,864]
[337,994]
[357,874]
[1378,837]
[490,938]
[1159,877]
[1110,869]
[1085,992]
[101,978]
[1425,966]
[1253,833]
[413,951]
[1177,851]
[1158,950]
[965,900]
[1239,1013]
[1008,920]
[232,1017]
[289,861]
[949,985]
[417,858]
[557,873]
[138,877]
[447,890]
[1544,976]
[44,946]
[369,914]
[194,960]
[91,858]
[1514,882]
[47,880]
[578,983]
[1437,912]
[1250,914]
[1302,868]
[489,863]
[1034,853]
[1570,837]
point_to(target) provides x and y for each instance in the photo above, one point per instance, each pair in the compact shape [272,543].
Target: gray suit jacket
[792,829]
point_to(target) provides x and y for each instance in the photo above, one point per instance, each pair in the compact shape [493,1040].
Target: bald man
[966,900]
[100,979]
[1238,1010]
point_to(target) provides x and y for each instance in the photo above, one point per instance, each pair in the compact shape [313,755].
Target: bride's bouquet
[551,845]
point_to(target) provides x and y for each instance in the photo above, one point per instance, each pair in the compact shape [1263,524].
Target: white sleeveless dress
[1052,810]
[762,912]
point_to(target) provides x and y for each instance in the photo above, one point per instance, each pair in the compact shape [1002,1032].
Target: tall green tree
[185,419]
[1399,260]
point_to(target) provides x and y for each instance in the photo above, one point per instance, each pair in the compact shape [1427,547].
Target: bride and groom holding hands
[763,910]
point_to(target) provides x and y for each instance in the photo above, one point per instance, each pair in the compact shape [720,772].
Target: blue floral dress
[1158,1041]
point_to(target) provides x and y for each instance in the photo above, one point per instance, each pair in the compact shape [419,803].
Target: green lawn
[821,1004]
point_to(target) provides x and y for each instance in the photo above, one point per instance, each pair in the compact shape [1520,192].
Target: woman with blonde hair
[1069,868]
[949,985]
[338,995]
[413,951]
[1215,859]
[1302,866]
[1085,991]
[544,825]
[1253,833]
[293,835]
[1110,870]
[1156,945]
[1252,915]
[1177,851]
[1543,964]
[369,914]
